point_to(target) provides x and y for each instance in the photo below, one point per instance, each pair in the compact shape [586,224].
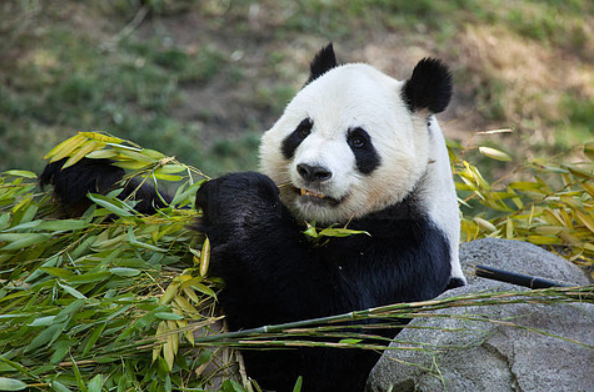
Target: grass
[156,74]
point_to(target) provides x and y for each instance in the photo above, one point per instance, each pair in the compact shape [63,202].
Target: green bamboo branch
[422,309]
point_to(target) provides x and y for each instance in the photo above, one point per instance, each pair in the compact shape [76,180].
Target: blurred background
[202,79]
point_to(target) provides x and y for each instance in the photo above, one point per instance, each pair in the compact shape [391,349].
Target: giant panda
[354,148]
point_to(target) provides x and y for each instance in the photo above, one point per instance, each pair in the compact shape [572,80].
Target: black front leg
[259,251]
[238,206]
[71,186]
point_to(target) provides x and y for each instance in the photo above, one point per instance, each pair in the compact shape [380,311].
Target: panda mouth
[307,192]
[315,197]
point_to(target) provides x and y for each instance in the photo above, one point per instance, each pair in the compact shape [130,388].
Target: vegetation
[119,301]
[115,300]
[205,78]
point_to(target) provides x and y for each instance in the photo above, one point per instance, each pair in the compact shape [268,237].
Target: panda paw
[71,185]
[236,204]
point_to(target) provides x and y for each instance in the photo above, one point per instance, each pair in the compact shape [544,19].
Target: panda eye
[304,128]
[356,138]
[357,142]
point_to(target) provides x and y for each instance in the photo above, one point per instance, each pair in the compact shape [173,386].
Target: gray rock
[464,354]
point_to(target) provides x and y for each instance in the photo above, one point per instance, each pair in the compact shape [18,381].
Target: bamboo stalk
[557,294]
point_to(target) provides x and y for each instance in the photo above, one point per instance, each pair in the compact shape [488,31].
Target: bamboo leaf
[20,173]
[509,228]
[153,154]
[11,384]
[138,156]
[204,289]
[182,303]
[24,241]
[167,177]
[122,147]
[578,172]
[495,154]
[298,384]
[97,331]
[112,205]
[341,232]
[350,341]
[588,188]
[66,148]
[125,272]
[131,165]
[205,257]
[171,169]
[102,137]
[191,294]
[4,221]
[63,225]
[589,150]
[585,219]
[96,384]
[59,387]
[89,277]
[78,376]
[81,153]
[311,231]
[542,240]
[170,293]
[57,272]
[484,224]
[102,154]
[72,291]
[42,322]
[44,337]
[168,316]
[161,329]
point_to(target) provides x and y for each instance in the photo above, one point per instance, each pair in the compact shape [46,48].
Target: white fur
[439,195]
[358,95]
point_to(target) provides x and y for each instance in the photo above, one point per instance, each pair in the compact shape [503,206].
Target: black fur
[323,62]
[429,87]
[454,283]
[71,186]
[291,142]
[273,274]
[365,153]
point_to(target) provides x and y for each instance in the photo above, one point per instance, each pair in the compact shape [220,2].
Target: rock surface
[467,355]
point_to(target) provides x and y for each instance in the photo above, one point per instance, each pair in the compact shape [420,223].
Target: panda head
[353,141]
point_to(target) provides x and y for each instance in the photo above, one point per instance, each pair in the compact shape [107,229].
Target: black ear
[324,61]
[429,87]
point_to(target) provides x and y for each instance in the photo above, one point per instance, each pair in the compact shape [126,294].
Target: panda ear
[323,62]
[429,87]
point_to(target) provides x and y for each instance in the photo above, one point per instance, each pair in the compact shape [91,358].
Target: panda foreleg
[259,251]
[72,185]
[237,205]
[268,268]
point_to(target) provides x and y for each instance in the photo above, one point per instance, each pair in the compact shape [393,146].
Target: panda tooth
[305,192]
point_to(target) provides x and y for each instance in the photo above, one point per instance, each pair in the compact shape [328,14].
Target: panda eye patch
[366,156]
[291,142]
[304,128]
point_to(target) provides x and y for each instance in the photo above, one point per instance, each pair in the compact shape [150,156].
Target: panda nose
[313,173]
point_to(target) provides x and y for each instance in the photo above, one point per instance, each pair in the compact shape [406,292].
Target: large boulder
[461,354]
